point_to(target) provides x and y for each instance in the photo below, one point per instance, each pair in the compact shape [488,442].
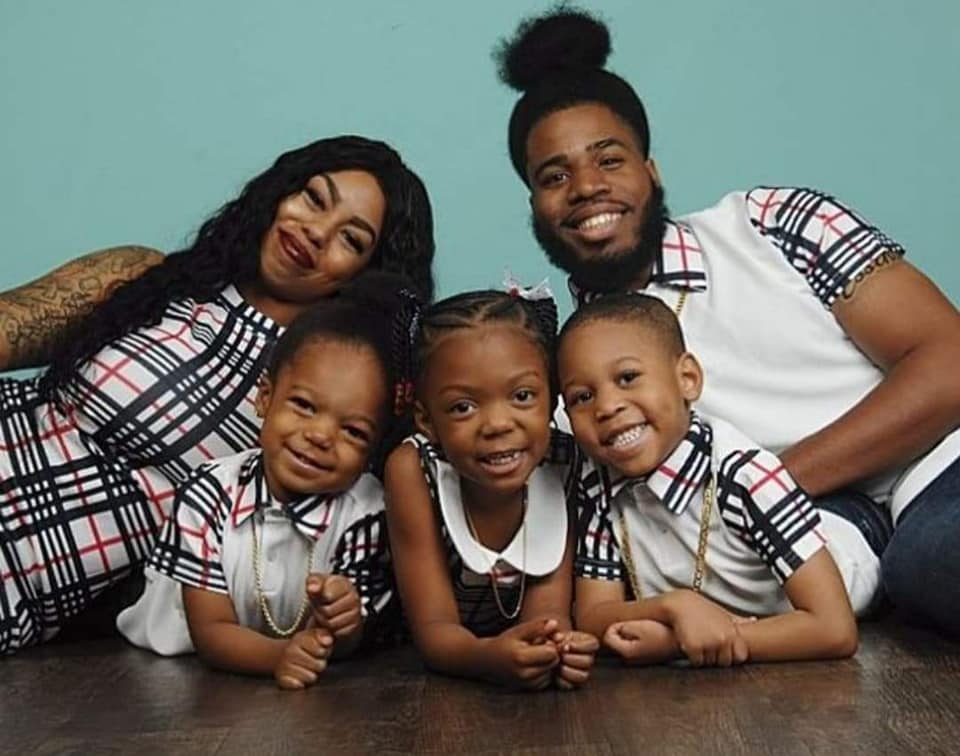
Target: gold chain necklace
[492,571]
[700,566]
[280,632]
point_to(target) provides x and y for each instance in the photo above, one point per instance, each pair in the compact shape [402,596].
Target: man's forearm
[34,315]
[917,403]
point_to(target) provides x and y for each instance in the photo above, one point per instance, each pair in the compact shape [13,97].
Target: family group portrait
[525,377]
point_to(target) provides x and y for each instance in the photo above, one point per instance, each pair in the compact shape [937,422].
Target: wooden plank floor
[900,694]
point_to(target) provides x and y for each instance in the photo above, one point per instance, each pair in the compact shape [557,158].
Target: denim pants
[921,565]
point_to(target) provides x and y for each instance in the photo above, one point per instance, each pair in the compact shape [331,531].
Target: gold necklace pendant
[280,632]
[492,571]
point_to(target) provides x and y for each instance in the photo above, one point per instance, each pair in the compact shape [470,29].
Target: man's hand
[706,633]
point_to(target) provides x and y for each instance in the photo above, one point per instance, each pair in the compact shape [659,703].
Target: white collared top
[536,549]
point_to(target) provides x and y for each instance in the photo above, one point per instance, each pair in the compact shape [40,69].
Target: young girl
[478,526]
[281,552]
[724,556]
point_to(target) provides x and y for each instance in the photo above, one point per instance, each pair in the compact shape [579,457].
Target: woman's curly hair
[227,247]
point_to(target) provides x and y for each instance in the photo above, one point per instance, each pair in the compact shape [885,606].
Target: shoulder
[365,496]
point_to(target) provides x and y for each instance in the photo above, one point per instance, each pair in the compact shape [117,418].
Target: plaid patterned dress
[84,493]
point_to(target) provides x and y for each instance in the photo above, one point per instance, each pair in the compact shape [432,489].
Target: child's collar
[546,523]
[677,479]
[311,514]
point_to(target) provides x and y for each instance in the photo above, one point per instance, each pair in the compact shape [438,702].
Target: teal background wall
[131,121]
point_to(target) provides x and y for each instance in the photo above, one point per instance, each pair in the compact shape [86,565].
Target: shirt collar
[310,515]
[546,522]
[679,264]
[678,478]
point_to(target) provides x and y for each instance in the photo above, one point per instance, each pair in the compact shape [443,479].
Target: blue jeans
[921,566]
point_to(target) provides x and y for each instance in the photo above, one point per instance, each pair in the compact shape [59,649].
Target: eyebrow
[562,157]
[335,197]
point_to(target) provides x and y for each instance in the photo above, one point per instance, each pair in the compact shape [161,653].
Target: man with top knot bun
[818,339]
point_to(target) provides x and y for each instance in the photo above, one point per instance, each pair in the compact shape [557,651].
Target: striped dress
[84,492]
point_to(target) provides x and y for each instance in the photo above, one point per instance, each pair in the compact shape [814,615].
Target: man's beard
[609,272]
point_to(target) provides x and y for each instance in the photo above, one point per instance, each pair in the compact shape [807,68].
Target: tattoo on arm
[883,260]
[33,315]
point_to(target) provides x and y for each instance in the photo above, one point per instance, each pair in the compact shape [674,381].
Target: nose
[497,420]
[608,405]
[320,432]
[587,182]
[317,232]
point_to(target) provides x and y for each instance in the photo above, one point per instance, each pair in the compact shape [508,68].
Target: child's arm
[517,657]
[225,644]
[822,624]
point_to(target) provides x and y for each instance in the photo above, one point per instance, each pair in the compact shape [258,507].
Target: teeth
[598,221]
[628,437]
[502,458]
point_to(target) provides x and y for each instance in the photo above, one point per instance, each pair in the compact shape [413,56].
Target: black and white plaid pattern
[826,241]
[756,497]
[83,494]
[472,591]
[190,547]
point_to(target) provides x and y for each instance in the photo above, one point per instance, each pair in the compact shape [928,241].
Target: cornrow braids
[227,248]
[537,318]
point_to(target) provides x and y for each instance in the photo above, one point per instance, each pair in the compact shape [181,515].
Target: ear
[654,171]
[264,392]
[421,418]
[689,377]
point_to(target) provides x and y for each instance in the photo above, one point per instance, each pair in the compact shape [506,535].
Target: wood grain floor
[900,694]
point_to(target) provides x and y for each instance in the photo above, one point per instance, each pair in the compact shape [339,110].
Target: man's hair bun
[566,39]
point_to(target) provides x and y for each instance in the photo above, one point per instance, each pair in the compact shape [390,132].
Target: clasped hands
[335,616]
[535,653]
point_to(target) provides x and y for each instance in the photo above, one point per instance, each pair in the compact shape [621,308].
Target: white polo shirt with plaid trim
[764,527]
[208,543]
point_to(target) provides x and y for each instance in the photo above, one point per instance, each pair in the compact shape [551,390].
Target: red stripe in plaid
[82,495]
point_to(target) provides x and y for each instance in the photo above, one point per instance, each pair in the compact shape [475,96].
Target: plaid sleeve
[598,553]
[825,241]
[763,505]
[363,557]
[189,546]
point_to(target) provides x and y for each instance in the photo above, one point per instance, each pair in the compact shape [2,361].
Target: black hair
[537,318]
[631,307]
[378,310]
[557,61]
[227,247]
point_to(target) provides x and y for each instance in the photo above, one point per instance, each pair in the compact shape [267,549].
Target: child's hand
[304,658]
[522,657]
[707,634]
[577,651]
[336,604]
[642,641]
